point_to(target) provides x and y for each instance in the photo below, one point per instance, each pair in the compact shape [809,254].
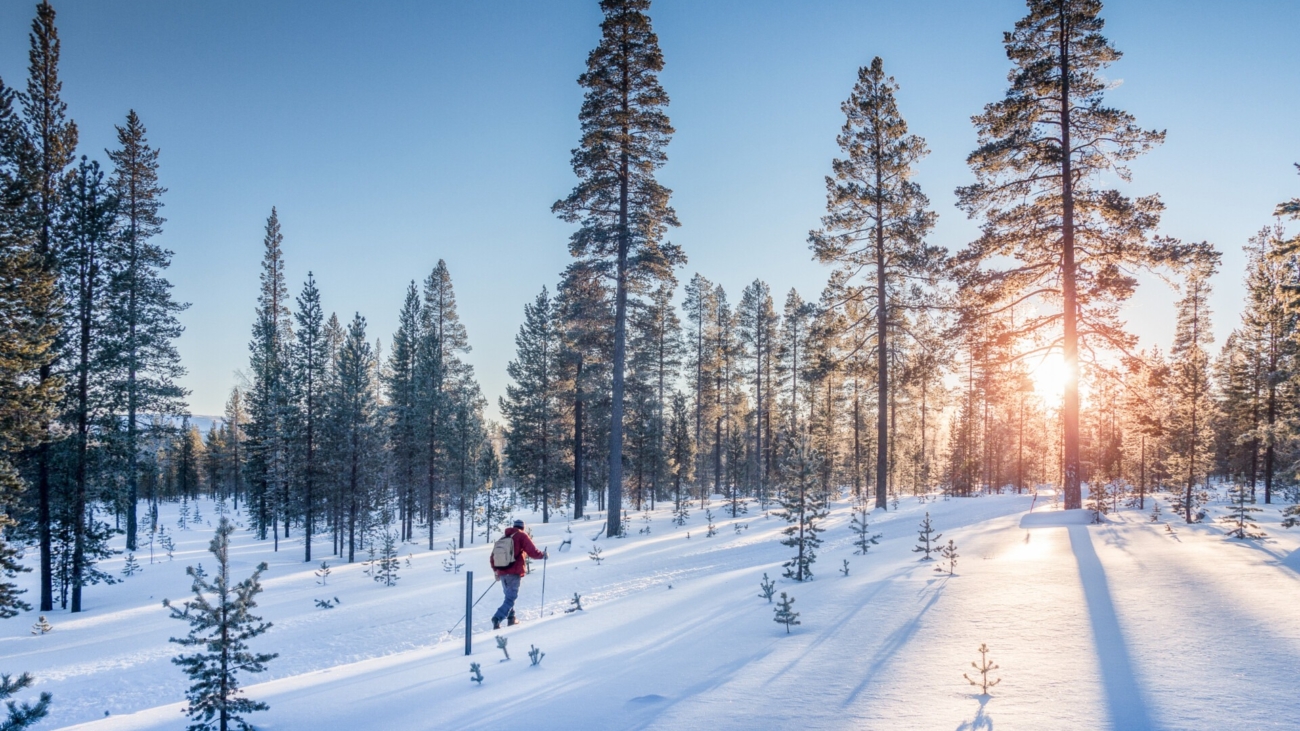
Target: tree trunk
[1070,339]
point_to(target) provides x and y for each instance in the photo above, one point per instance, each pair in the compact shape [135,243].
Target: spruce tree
[622,209]
[863,539]
[308,364]
[928,538]
[1241,515]
[681,456]
[1052,237]
[532,405]
[585,317]
[51,142]
[352,416]
[268,399]
[700,305]
[1190,432]
[443,337]
[785,613]
[801,508]
[404,407]
[221,624]
[758,325]
[142,316]
[86,228]
[877,218]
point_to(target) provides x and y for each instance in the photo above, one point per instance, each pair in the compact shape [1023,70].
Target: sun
[1049,376]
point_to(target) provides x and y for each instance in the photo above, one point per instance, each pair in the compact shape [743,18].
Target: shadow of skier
[1124,701]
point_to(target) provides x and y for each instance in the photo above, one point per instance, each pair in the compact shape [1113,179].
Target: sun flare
[1049,376]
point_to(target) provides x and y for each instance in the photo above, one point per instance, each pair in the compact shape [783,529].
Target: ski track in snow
[1114,626]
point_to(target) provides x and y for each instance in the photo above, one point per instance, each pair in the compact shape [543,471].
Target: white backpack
[503,552]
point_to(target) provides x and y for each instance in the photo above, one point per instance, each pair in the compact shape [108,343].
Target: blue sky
[390,135]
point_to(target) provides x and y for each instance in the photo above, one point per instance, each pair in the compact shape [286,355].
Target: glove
[545,555]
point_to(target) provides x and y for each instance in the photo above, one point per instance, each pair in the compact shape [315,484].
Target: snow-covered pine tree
[767,587]
[801,507]
[535,656]
[1155,510]
[863,540]
[1241,515]
[131,567]
[845,568]
[594,555]
[681,457]
[323,573]
[575,604]
[476,673]
[928,538]
[713,529]
[42,626]
[622,210]
[221,624]
[501,645]
[785,613]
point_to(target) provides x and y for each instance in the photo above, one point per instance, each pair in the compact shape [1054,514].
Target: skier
[511,575]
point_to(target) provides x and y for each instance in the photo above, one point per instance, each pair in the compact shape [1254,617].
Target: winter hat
[519,524]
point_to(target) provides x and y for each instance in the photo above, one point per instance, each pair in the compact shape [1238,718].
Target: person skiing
[511,575]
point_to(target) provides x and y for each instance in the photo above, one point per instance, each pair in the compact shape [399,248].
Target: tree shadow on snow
[982,721]
[1125,705]
[892,644]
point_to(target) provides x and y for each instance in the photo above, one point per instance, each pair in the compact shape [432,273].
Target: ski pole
[475,604]
[544,560]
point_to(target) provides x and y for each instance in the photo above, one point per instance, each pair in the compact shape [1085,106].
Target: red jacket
[523,547]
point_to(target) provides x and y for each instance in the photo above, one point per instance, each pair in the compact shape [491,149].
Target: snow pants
[510,585]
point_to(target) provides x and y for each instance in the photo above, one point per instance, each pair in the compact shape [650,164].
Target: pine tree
[585,317]
[142,316]
[352,422]
[928,538]
[622,210]
[681,456]
[1192,415]
[700,305]
[221,624]
[388,565]
[948,553]
[131,567]
[310,358]
[404,407]
[532,406]
[438,364]
[983,668]
[876,217]
[234,421]
[24,715]
[785,613]
[767,588]
[51,142]
[758,323]
[863,540]
[269,397]
[86,227]
[801,508]
[1052,238]
[1241,516]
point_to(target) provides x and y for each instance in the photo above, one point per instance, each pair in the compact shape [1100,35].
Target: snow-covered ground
[1122,625]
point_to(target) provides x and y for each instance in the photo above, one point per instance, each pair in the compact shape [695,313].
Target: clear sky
[390,135]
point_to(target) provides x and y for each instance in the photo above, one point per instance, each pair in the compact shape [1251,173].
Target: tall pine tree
[1052,236]
[622,209]
[877,219]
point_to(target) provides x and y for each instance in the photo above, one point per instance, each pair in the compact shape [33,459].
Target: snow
[1121,625]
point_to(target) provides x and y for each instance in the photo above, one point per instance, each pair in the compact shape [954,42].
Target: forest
[999,365]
